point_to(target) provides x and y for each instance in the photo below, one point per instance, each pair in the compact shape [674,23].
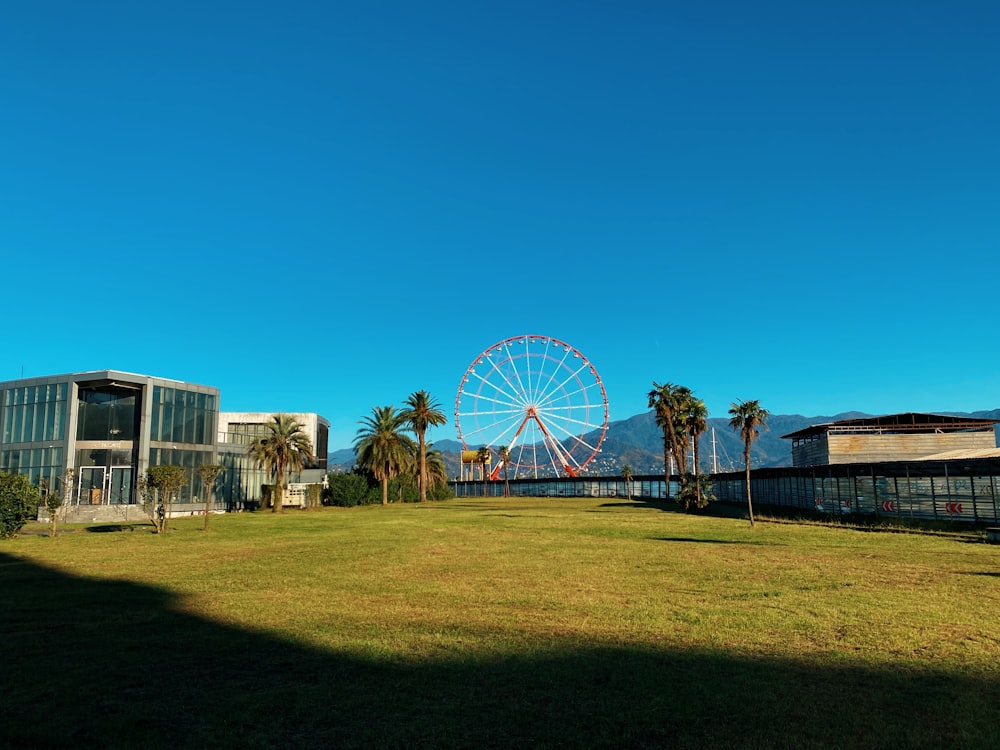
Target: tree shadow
[109,664]
[692,540]
[664,505]
[110,528]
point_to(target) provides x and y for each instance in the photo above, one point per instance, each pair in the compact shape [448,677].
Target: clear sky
[325,206]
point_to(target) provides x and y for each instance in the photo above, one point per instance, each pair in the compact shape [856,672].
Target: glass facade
[183,416]
[43,466]
[34,413]
[193,490]
[240,433]
[106,413]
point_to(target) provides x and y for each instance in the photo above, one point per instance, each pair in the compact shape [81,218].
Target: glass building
[90,436]
[108,428]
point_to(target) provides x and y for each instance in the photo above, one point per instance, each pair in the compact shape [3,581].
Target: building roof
[896,423]
[962,455]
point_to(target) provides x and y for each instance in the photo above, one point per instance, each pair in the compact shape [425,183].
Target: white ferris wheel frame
[534,386]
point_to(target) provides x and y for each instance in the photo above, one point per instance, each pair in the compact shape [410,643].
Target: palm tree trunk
[385,491]
[746,458]
[423,468]
[278,501]
[666,463]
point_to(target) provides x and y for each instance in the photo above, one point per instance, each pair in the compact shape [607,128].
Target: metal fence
[927,490]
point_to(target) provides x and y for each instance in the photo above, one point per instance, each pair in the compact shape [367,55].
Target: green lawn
[521,623]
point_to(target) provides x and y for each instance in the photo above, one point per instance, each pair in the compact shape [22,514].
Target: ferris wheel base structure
[531,406]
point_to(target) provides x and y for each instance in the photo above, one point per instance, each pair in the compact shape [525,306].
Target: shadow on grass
[665,505]
[710,541]
[113,527]
[89,663]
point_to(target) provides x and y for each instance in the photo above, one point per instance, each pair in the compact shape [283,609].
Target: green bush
[19,501]
[348,490]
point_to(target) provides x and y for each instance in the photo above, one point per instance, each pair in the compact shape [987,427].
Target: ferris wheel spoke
[559,426]
[487,433]
[570,420]
[543,378]
[554,387]
[553,427]
[514,399]
[552,459]
[500,439]
[511,405]
[514,391]
[546,380]
[553,445]
[523,390]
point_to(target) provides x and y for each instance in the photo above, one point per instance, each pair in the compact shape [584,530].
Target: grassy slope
[499,623]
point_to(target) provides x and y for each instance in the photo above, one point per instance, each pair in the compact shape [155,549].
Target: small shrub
[19,501]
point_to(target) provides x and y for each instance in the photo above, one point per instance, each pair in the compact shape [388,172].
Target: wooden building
[895,437]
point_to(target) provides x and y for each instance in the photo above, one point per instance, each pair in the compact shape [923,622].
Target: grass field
[521,623]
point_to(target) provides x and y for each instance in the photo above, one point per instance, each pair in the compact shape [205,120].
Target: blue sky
[322,206]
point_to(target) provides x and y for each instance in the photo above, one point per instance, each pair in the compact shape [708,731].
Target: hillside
[638,442]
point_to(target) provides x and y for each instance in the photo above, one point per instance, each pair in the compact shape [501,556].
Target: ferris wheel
[539,398]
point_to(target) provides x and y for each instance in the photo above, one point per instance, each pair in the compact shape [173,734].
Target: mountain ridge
[638,442]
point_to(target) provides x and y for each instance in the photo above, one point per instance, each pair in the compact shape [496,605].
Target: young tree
[381,447]
[748,418]
[503,453]
[57,500]
[209,473]
[167,480]
[286,446]
[19,500]
[698,493]
[144,493]
[627,479]
[421,413]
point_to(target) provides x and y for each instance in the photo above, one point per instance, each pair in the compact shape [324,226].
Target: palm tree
[627,478]
[285,446]
[422,412]
[381,447]
[483,456]
[697,423]
[749,418]
[437,471]
[669,403]
[503,452]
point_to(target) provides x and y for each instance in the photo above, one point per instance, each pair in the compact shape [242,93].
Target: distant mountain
[341,460]
[638,442]
[642,440]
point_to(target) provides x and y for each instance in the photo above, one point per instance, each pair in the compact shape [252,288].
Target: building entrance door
[90,490]
[120,485]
